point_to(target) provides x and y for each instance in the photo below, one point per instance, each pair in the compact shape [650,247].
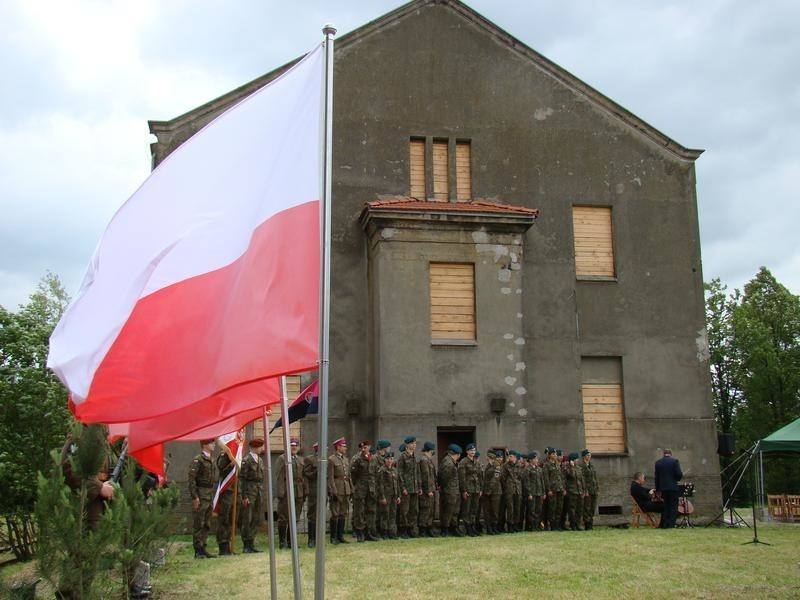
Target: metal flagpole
[290,489]
[273,576]
[325,310]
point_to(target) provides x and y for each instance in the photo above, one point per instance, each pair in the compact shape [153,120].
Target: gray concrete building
[515,256]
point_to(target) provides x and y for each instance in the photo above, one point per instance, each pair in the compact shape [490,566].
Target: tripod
[733,473]
[687,507]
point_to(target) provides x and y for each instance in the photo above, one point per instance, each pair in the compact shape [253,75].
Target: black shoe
[340,531]
[369,535]
[225,549]
[404,533]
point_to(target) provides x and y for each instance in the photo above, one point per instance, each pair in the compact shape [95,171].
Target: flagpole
[290,489]
[325,309]
[273,576]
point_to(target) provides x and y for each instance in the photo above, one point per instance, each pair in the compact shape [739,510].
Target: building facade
[515,257]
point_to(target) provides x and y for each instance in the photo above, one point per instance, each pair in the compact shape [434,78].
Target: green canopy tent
[785,440]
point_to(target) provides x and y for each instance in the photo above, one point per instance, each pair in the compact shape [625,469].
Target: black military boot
[334,531]
[225,549]
[359,533]
[369,535]
[312,534]
[282,543]
[404,533]
[457,532]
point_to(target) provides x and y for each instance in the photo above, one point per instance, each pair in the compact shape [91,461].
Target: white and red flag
[232,444]
[207,278]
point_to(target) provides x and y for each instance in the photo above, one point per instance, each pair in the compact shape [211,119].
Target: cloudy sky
[82,77]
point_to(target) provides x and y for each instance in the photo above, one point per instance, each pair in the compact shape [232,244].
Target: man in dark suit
[644,495]
[668,474]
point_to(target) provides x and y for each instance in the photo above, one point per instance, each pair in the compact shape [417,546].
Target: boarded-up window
[276,438]
[603,417]
[417,169]
[463,172]
[452,288]
[440,188]
[594,248]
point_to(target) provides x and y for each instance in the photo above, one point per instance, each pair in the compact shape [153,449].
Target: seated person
[644,495]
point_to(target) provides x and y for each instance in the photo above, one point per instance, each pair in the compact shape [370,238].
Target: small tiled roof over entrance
[472,206]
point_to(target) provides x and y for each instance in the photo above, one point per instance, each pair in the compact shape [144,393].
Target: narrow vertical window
[594,247]
[417,168]
[440,187]
[452,296]
[463,172]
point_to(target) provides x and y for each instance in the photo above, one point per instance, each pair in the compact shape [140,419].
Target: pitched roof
[199,116]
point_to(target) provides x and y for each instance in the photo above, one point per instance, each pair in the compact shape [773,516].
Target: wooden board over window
[463,172]
[417,169]
[440,188]
[594,247]
[452,290]
[603,417]
[276,439]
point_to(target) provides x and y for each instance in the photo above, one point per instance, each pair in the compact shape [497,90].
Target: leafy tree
[34,417]
[727,396]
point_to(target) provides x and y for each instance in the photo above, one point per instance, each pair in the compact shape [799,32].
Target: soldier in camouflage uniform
[469,485]
[201,480]
[492,491]
[427,483]
[362,475]
[282,492]
[310,471]
[537,492]
[555,491]
[388,497]
[410,490]
[378,459]
[225,464]
[512,491]
[522,474]
[575,490]
[591,489]
[450,495]
[339,489]
[251,478]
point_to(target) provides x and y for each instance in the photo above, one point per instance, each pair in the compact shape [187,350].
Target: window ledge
[596,278]
[454,343]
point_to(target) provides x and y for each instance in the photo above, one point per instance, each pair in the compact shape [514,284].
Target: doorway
[452,435]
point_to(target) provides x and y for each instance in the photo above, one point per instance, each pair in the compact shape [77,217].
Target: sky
[81,78]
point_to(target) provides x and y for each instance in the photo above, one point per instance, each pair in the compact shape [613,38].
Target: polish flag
[232,444]
[207,278]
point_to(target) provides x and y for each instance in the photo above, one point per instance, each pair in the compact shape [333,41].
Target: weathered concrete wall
[539,138]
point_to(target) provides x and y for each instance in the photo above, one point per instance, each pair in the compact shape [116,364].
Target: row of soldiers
[394,495]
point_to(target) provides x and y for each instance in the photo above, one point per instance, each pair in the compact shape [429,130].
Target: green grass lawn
[604,563]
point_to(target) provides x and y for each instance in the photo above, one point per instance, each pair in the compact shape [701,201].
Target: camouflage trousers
[363,510]
[491,509]
[448,517]
[409,510]
[589,508]
[555,504]
[533,515]
[224,515]
[251,517]
[386,517]
[201,521]
[513,504]
[575,509]
[426,506]
[469,508]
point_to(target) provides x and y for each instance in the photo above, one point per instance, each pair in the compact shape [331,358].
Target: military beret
[315,446]
[410,439]
[585,451]
[573,456]
[384,444]
[365,443]
[389,454]
[477,454]
[256,443]
[499,453]
[472,445]
[402,448]
[428,446]
[340,442]
[294,442]
[558,451]
[532,455]
[454,448]
[204,442]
